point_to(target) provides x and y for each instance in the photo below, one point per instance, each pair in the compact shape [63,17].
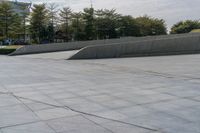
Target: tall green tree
[10,22]
[78,26]
[25,19]
[53,20]
[185,27]
[90,30]
[151,26]
[65,18]
[38,23]
[107,23]
[128,26]
[16,28]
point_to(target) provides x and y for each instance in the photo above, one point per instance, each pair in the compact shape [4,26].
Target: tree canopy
[151,26]
[38,23]
[47,24]
[10,22]
[185,26]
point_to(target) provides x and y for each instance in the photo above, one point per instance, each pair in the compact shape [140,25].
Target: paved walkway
[130,95]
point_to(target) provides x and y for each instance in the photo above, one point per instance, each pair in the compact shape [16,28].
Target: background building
[19,7]
[22,9]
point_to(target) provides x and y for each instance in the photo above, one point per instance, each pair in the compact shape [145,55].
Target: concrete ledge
[55,47]
[34,49]
[185,44]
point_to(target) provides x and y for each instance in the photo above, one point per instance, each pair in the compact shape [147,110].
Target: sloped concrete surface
[55,47]
[130,95]
[165,45]
[52,55]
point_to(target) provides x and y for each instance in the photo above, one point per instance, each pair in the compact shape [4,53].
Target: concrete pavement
[131,95]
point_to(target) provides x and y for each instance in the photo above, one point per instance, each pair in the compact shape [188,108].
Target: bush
[185,27]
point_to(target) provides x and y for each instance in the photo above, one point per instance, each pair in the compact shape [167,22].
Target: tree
[16,28]
[128,26]
[185,27]
[52,13]
[10,22]
[78,26]
[65,17]
[38,23]
[151,26]
[88,16]
[107,23]
[24,15]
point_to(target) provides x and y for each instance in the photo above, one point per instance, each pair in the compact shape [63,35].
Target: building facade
[22,9]
[19,7]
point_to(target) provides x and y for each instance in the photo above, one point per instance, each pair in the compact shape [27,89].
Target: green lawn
[4,50]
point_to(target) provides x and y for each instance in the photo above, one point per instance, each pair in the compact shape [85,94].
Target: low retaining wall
[54,47]
[186,44]
[33,49]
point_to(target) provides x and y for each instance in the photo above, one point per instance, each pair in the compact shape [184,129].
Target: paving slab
[16,115]
[8,100]
[54,113]
[76,124]
[39,127]
[141,95]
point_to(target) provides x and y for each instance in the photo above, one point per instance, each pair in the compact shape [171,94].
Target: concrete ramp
[53,55]
[56,47]
[44,48]
[169,45]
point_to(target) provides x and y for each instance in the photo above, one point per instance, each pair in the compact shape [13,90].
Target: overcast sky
[170,10]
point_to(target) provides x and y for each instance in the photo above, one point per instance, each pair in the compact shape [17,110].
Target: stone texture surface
[136,95]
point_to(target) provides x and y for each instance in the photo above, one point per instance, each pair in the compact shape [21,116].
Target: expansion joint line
[81,112]
[107,129]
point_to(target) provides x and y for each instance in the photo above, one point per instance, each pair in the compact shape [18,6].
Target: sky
[172,11]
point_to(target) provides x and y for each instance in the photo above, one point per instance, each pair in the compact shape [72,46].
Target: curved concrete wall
[32,49]
[186,44]
[42,48]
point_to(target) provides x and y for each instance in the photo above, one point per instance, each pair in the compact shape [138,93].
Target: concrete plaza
[126,95]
